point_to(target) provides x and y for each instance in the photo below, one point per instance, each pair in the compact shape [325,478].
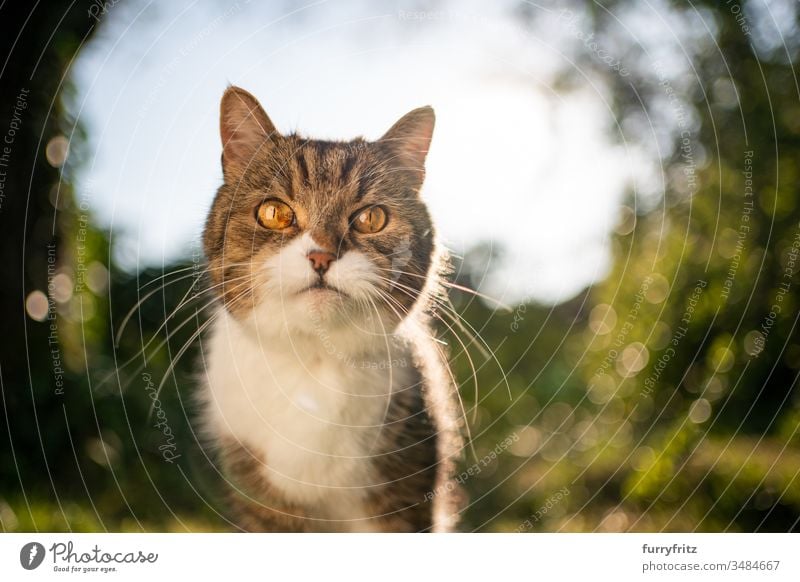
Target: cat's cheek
[286,271]
[355,274]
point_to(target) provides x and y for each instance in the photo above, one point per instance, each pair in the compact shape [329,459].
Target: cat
[326,394]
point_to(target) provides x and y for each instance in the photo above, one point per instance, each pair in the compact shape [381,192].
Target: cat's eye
[275,215]
[370,219]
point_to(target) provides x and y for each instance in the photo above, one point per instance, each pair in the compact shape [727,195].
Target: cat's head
[306,233]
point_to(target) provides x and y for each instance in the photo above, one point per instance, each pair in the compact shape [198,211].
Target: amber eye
[275,215]
[370,219]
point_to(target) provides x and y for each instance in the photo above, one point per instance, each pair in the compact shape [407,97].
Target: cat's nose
[321,261]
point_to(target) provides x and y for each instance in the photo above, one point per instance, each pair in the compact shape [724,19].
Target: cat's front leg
[256,505]
[271,515]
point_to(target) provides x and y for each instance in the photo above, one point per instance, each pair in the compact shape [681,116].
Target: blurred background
[616,179]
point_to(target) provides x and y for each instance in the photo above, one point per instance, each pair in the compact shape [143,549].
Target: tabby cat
[325,393]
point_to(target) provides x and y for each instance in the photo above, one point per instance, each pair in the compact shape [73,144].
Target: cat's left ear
[410,138]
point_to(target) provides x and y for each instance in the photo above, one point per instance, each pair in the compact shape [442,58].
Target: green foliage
[666,397]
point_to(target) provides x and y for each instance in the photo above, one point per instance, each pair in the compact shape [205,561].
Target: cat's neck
[345,344]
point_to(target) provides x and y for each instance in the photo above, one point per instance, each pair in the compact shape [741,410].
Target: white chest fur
[314,415]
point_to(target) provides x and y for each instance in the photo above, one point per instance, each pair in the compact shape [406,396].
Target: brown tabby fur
[325,182]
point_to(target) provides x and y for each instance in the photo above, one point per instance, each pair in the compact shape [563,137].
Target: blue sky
[512,161]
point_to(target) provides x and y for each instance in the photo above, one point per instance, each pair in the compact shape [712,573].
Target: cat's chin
[324,301]
[324,311]
[311,311]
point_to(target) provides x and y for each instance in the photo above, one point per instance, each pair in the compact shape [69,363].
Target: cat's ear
[244,128]
[410,138]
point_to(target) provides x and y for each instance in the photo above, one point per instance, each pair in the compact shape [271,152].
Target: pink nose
[321,260]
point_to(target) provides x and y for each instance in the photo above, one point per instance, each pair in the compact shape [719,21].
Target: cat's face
[306,233]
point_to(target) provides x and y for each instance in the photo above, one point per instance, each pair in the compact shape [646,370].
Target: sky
[513,163]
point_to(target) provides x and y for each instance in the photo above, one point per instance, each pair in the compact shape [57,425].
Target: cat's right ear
[244,128]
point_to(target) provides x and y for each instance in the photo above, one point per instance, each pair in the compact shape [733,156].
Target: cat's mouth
[321,286]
